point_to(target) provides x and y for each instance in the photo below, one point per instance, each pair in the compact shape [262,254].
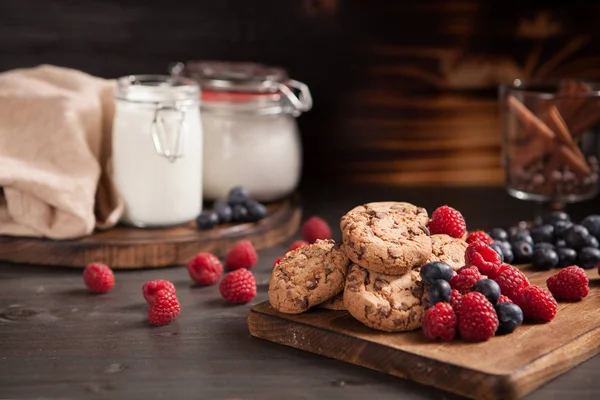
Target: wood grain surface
[405,91]
[505,367]
[59,342]
[128,247]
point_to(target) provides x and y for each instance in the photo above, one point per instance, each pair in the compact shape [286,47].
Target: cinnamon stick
[563,134]
[571,98]
[578,166]
[586,117]
[530,121]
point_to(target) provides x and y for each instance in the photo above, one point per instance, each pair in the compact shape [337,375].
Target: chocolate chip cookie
[449,250]
[387,237]
[385,302]
[308,276]
[334,303]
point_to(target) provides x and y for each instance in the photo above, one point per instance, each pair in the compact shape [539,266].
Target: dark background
[405,91]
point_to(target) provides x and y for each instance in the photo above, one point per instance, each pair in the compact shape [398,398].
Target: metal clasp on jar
[168,131]
[301,103]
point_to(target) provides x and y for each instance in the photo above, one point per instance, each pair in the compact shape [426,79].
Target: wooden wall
[405,91]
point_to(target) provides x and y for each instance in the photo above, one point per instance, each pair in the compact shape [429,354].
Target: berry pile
[466,304]
[488,296]
[555,242]
[238,207]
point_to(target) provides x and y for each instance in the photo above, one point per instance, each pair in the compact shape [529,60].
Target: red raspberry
[315,228]
[465,279]
[439,322]
[98,277]
[537,304]
[478,320]
[455,301]
[297,244]
[447,220]
[511,281]
[164,309]
[205,268]
[241,255]
[480,236]
[485,258]
[504,299]
[570,283]
[277,261]
[150,288]
[238,286]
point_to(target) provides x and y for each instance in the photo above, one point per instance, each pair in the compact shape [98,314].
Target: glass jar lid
[246,87]
[163,89]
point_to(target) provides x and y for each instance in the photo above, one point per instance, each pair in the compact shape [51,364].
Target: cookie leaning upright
[335,303]
[386,237]
[392,303]
[308,276]
[449,250]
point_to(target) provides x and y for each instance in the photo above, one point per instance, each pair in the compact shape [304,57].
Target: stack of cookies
[373,274]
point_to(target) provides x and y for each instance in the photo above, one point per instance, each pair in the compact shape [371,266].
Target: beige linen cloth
[55,143]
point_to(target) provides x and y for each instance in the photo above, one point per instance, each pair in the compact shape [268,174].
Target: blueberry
[240,213]
[498,249]
[512,231]
[592,223]
[523,251]
[498,234]
[591,242]
[542,233]
[439,292]
[507,252]
[522,234]
[543,245]
[555,216]
[566,257]
[256,210]
[223,210]
[509,257]
[435,270]
[576,237]
[488,288]
[560,227]
[544,259]
[560,243]
[588,258]
[509,316]
[207,219]
[238,195]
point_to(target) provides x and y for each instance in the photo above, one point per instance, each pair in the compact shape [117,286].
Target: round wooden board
[126,247]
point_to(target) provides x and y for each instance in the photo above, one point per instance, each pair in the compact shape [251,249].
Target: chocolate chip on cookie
[386,237]
[308,276]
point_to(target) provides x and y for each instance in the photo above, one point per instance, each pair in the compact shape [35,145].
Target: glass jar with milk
[157,149]
[251,138]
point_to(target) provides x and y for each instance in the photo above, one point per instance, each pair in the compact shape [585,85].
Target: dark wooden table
[58,341]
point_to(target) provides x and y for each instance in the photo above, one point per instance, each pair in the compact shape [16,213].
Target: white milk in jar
[157,150]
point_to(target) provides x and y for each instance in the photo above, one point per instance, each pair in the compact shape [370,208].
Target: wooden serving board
[127,247]
[505,367]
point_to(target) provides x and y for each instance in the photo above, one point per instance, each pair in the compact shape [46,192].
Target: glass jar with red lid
[251,138]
